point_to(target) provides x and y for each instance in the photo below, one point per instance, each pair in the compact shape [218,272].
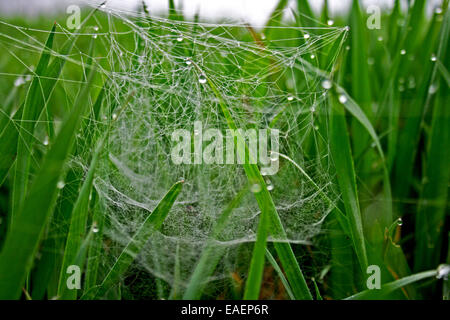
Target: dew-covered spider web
[154,73]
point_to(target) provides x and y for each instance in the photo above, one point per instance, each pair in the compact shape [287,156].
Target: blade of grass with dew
[409,137]
[361,90]
[324,14]
[152,223]
[95,247]
[32,107]
[352,107]
[79,214]
[77,227]
[392,286]
[342,157]
[24,237]
[433,200]
[376,223]
[212,253]
[10,134]
[268,218]
[50,261]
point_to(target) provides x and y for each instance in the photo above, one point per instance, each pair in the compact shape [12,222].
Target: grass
[378,133]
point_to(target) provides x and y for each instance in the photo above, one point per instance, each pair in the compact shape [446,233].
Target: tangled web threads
[265,83]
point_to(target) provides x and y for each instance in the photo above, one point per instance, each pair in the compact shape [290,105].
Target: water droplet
[330,22]
[290,98]
[306,36]
[28,78]
[94,36]
[46,141]
[264,172]
[196,132]
[202,79]
[380,38]
[347,48]
[342,98]
[401,88]
[270,187]
[188,61]
[399,222]
[263,36]
[60,185]
[19,81]
[326,84]
[433,57]
[403,52]
[95,28]
[95,228]
[316,128]
[273,156]
[312,109]
[347,28]
[255,188]
[180,38]
[438,10]
[312,56]
[370,61]
[103,6]
[114,116]
[443,271]
[432,89]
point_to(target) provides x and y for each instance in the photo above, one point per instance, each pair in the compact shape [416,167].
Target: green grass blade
[433,201]
[280,273]
[410,134]
[10,133]
[352,107]
[152,222]
[33,106]
[16,258]
[94,253]
[342,157]
[276,16]
[306,14]
[361,89]
[77,228]
[392,286]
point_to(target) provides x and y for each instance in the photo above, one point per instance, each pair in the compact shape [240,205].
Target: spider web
[268,79]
